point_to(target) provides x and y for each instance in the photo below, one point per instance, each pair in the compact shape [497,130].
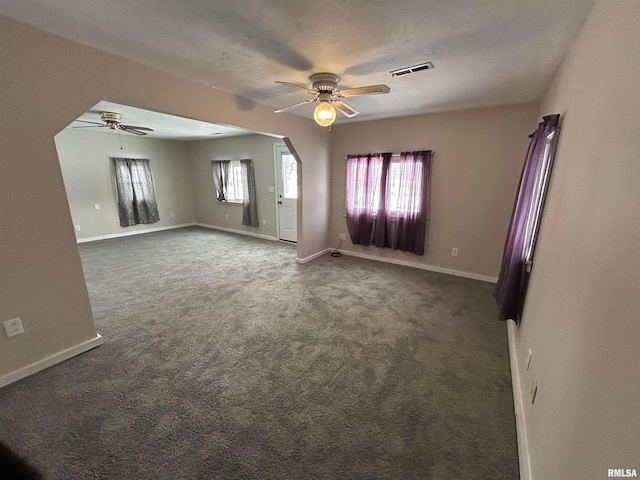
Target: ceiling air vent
[413,69]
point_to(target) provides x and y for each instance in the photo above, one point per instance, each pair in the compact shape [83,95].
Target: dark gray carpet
[225,359]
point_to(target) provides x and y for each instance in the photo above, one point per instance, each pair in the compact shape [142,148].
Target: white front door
[287,194]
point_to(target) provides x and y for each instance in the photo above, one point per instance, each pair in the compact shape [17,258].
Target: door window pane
[289,177]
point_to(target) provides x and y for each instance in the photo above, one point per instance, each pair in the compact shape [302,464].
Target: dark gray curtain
[249,205]
[511,287]
[220,170]
[136,194]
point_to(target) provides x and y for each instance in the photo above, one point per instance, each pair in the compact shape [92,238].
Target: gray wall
[581,316]
[259,148]
[89,179]
[478,156]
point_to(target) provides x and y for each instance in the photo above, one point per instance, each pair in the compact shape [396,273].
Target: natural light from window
[532,224]
[289,177]
[402,200]
[234,185]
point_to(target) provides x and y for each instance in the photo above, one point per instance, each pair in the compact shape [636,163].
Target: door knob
[280,202]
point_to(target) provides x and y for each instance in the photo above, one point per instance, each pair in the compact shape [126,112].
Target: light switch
[97,206]
[272,189]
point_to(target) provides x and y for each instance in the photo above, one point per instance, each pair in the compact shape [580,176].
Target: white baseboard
[311,257]
[521,426]
[134,232]
[457,273]
[50,361]
[241,232]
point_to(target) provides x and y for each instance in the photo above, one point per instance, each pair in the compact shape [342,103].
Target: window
[363,184]
[519,247]
[539,193]
[404,197]
[234,183]
[405,192]
[227,179]
[136,193]
[289,177]
[387,199]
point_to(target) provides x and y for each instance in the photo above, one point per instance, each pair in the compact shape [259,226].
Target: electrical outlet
[343,236]
[454,252]
[171,214]
[227,216]
[13,327]
[77,227]
[534,391]
[96,206]
[264,222]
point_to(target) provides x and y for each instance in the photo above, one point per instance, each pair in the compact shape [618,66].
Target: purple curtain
[388,202]
[412,202]
[364,194]
[382,236]
[510,289]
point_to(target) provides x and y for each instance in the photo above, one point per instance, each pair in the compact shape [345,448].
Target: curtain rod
[396,154]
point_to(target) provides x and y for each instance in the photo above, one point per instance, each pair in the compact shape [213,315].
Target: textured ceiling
[485,52]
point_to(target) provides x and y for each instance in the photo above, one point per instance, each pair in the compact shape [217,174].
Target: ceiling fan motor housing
[110,118]
[324,82]
[324,87]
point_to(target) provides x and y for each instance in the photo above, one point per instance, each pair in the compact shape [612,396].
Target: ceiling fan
[324,86]
[112,121]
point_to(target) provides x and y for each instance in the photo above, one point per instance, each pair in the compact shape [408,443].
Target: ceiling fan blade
[89,126]
[294,105]
[344,108]
[368,90]
[308,90]
[94,123]
[126,128]
[136,127]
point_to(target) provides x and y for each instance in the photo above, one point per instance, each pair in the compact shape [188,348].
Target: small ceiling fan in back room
[112,120]
[324,86]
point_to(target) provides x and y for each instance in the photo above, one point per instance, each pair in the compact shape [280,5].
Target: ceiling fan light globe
[324,114]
